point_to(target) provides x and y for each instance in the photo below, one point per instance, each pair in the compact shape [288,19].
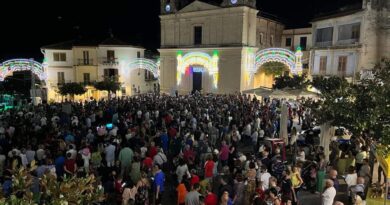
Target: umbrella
[281,94]
[299,93]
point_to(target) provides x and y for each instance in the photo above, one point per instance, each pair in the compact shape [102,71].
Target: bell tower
[168,6]
[232,3]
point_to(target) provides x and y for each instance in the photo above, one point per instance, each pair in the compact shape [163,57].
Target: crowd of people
[192,150]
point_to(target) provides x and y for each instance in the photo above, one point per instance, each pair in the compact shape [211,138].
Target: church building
[219,48]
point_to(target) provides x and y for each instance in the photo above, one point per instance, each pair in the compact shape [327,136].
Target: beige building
[301,37]
[215,48]
[86,62]
[351,41]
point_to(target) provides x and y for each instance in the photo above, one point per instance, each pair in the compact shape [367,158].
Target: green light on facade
[215,53]
[179,53]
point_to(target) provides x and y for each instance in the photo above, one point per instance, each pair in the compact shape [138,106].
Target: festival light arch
[10,66]
[198,58]
[146,64]
[292,60]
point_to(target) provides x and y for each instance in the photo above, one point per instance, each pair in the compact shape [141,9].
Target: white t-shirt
[328,196]
[351,179]
[264,178]
[110,153]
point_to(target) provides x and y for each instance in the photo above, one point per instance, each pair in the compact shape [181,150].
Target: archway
[146,64]
[292,60]
[198,60]
[274,55]
[136,84]
[10,66]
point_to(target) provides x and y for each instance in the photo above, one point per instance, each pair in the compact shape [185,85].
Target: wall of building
[333,60]
[267,29]
[225,26]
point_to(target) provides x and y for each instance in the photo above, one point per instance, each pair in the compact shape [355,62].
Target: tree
[70,191]
[294,82]
[274,68]
[71,89]
[362,106]
[108,85]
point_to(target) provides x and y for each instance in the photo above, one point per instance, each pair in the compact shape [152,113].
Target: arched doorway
[278,58]
[197,71]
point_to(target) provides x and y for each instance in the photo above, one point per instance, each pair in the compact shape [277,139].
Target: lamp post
[32,81]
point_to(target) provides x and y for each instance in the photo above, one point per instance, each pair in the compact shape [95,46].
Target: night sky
[28,25]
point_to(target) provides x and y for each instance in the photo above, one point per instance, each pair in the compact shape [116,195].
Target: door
[197,81]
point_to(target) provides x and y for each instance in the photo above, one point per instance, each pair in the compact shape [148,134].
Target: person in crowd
[329,193]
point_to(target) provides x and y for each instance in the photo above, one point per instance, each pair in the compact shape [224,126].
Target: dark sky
[28,25]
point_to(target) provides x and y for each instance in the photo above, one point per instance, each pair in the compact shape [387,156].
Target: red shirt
[148,162]
[152,152]
[211,199]
[194,179]
[70,165]
[208,169]
[172,132]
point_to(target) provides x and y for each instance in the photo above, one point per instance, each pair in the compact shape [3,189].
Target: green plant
[71,89]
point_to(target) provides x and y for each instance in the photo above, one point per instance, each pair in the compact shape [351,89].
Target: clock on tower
[249,3]
[168,6]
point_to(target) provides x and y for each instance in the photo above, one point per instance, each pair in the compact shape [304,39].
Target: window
[138,54]
[87,78]
[59,57]
[349,31]
[123,89]
[271,40]
[303,43]
[148,75]
[60,77]
[197,35]
[111,74]
[110,55]
[323,61]
[342,66]
[288,42]
[86,57]
[261,38]
[324,35]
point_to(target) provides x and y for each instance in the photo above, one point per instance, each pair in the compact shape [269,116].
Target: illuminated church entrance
[197,71]
[197,75]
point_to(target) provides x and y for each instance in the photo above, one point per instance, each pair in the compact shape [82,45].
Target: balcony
[323,44]
[112,77]
[59,83]
[109,61]
[84,62]
[348,41]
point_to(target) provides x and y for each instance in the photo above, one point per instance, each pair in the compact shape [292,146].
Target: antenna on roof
[110,33]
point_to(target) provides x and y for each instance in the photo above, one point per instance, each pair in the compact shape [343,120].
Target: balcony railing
[323,44]
[348,41]
[113,77]
[83,62]
[109,61]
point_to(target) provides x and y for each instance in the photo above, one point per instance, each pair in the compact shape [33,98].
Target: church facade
[217,48]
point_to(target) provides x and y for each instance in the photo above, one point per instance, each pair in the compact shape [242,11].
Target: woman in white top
[181,170]
[351,177]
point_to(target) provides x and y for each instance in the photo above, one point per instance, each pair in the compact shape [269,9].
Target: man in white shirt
[110,155]
[30,154]
[263,177]
[329,193]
